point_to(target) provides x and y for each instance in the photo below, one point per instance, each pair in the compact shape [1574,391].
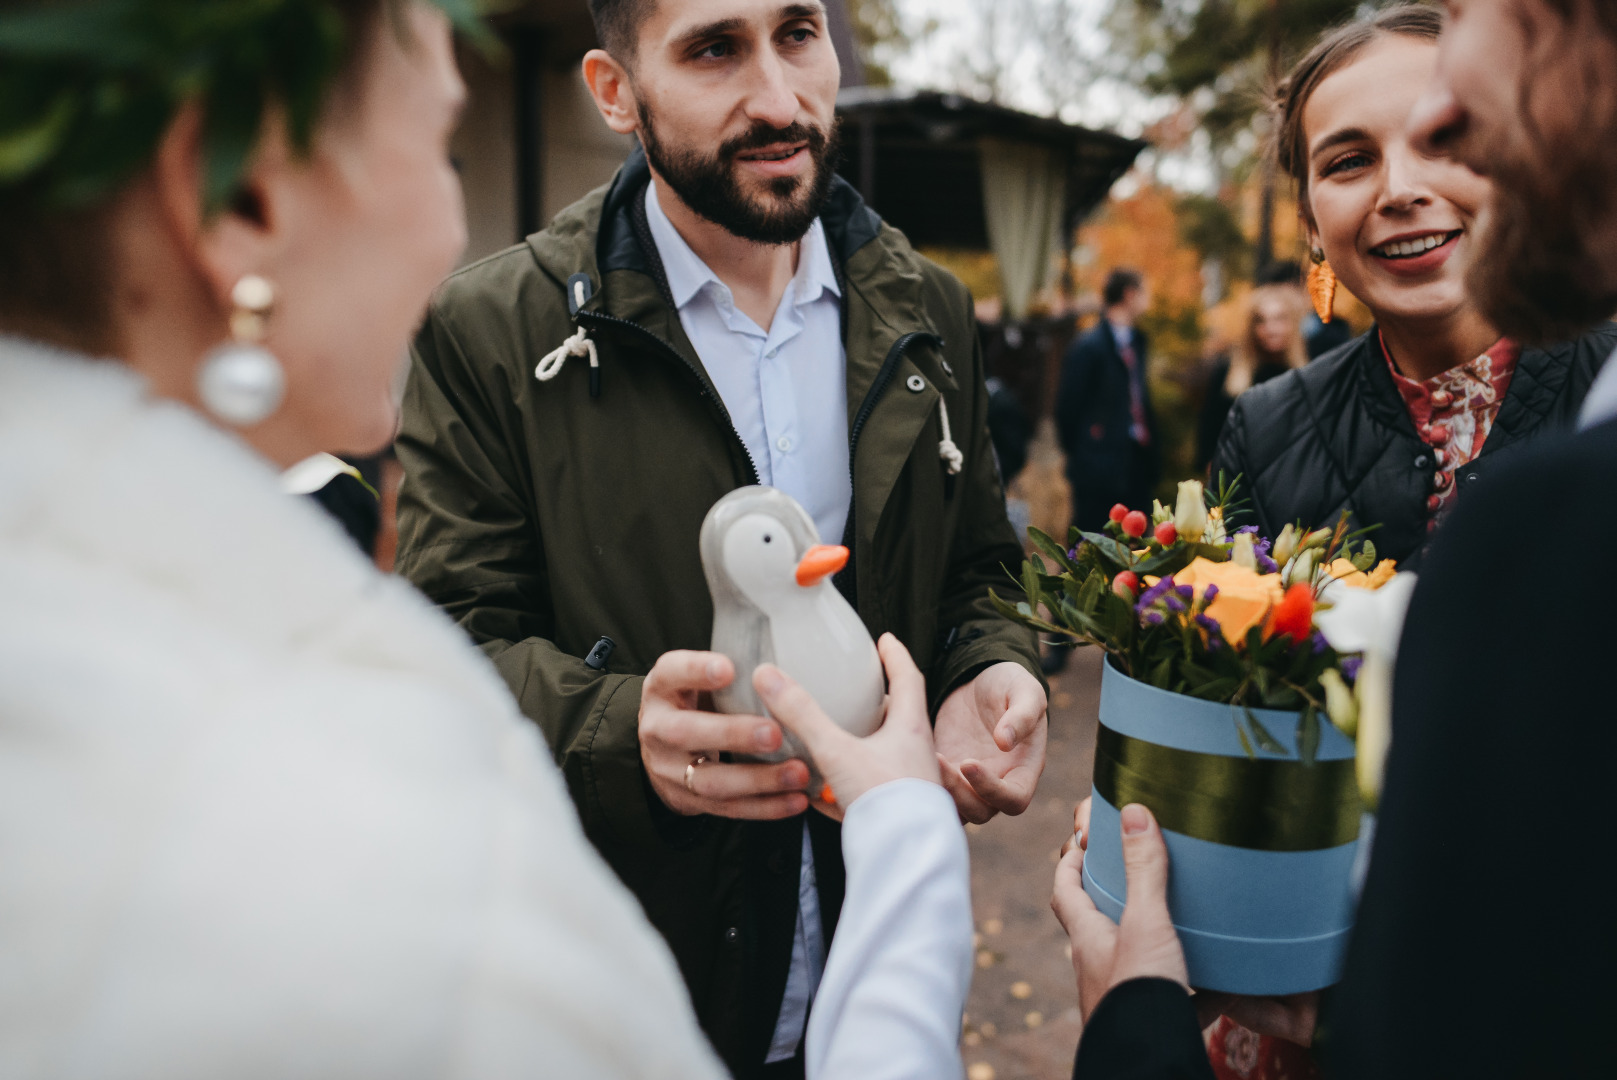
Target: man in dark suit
[1485,943]
[1103,408]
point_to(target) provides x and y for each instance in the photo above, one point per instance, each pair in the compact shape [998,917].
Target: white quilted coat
[264,811]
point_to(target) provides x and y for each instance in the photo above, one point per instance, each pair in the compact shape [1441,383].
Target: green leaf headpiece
[87,87]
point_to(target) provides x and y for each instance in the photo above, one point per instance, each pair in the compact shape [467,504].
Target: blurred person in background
[1104,419]
[1271,345]
[1103,412]
[265,811]
[1395,425]
[1437,981]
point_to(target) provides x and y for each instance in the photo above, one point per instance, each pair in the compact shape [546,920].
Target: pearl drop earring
[241,382]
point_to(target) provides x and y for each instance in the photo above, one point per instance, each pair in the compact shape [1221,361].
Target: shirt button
[770,355]
[783,444]
[1422,461]
[915,383]
[731,935]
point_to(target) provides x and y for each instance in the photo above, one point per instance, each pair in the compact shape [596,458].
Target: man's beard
[709,186]
[1542,269]
[1544,266]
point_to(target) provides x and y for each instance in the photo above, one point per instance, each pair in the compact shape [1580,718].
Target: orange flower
[1294,615]
[1244,596]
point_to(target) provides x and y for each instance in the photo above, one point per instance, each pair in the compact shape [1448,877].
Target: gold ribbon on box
[1267,804]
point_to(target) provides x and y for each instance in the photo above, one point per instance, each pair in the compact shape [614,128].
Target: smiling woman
[1389,428]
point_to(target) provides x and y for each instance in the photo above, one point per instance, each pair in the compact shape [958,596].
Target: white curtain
[1024,188]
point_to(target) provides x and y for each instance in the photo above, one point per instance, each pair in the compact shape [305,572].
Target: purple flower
[1185,592]
[1215,633]
[1350,668]
[1246,529]
[1154,593]
[1210,594]
[1154,618]
[1318,643]
[1265,564]
[1174,604]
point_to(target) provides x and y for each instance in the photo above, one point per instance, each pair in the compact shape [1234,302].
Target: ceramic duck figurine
[773,602]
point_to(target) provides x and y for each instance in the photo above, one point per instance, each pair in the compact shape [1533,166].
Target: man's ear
[613,91]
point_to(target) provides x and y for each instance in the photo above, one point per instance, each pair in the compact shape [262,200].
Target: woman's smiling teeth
[1408,249]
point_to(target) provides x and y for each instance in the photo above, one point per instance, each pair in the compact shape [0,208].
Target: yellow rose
[1244,595]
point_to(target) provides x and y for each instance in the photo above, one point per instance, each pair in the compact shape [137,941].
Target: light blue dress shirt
[786,390]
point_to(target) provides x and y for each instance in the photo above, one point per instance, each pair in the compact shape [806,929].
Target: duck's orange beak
[820,562]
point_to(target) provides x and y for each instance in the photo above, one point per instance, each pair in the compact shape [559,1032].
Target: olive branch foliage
[87,87]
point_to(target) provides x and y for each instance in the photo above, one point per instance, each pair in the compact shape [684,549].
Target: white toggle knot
[577,345]
[947,450]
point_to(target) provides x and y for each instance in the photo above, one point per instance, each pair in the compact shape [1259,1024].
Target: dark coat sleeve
[1485,942]
[1144,1029]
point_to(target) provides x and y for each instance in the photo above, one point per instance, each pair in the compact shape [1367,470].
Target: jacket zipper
[883,375]
[702,385]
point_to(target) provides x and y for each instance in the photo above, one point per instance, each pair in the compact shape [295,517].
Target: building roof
[914,155]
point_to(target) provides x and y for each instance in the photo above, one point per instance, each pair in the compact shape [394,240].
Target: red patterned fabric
[1239,1054]
[1454,411]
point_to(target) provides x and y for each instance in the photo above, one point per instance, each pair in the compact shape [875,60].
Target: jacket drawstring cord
[579,344]
[947,450]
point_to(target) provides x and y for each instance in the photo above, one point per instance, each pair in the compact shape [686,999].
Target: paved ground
[1022,1016]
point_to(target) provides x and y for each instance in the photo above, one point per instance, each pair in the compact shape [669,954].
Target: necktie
[1138,431]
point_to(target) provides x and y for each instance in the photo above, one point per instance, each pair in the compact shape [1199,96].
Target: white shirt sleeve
[895,983]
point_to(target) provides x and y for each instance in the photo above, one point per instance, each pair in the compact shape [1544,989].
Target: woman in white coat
[263,810]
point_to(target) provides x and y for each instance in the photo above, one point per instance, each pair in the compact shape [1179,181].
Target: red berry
[1126,584]
[1134,523]
[1166,534]
[1118,512]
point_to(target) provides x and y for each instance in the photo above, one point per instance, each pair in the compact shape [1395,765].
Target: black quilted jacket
[1335,435]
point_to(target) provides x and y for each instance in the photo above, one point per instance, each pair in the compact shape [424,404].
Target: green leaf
[1111,550]
[1261,733]
[1246,743]
[1049,547]
[1308,735]
[22,151]
[1162,674]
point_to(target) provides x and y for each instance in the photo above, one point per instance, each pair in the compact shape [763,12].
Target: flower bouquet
[1230,699]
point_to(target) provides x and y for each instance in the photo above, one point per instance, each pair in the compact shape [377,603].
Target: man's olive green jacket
[546,515]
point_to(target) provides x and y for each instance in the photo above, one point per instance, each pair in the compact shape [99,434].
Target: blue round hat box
[1252,921]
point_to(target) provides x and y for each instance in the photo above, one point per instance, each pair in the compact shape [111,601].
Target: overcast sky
[951,38]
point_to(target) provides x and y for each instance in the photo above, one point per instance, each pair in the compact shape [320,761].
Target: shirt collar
[687,274]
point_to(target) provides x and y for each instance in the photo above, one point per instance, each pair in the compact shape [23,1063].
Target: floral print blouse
[1453,413]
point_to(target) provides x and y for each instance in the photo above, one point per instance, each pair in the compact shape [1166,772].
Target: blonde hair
[1248,354]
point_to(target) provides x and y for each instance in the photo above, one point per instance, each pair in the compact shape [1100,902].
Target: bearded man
[725,312]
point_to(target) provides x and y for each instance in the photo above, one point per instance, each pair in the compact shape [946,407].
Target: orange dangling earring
[1322,285]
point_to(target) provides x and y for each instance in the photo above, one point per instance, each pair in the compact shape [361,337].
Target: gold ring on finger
[690,771]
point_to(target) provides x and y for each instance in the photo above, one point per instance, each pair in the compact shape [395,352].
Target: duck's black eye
[767,538]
